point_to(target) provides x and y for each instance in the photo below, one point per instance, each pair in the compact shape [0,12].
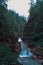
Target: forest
[13,26]
[33,30]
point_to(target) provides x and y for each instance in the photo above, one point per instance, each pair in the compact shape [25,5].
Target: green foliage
[17,23]
[6,56]
[5,52]
[33,30]
[12,21]
[9,22]
[40,43]
[3,3]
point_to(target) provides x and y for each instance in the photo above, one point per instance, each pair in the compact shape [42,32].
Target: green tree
[3,3]
[35,22]
[9,22]
[33,31]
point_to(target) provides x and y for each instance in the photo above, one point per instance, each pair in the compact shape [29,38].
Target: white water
[24,52]
[25,55]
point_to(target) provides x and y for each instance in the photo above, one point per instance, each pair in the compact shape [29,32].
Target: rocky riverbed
[25,56]
[28,61]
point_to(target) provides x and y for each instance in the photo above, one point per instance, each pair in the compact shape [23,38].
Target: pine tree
[33,31]
[8,40]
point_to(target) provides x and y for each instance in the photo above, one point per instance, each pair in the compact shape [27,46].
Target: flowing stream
[25,55]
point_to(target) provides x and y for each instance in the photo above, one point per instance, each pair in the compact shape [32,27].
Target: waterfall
[24,52]
[25,55]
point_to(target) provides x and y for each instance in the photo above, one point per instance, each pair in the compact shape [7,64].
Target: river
[25,55]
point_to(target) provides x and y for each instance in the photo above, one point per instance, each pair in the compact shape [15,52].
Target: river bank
[28,61]
[25,56]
